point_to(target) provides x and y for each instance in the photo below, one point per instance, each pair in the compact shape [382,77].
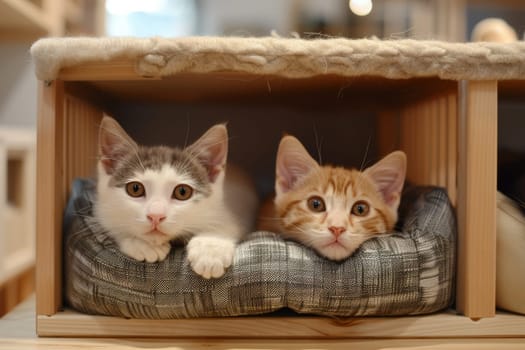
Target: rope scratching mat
[288,57]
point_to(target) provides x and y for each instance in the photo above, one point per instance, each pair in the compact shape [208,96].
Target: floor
[17,331]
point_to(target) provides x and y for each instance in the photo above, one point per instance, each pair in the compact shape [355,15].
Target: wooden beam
[49,197]
[442,325]
[476,201]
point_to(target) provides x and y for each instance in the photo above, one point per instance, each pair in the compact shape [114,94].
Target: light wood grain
[452,146]
[427,135]
[48,196]
[476,202]
[17,332]
[442,325]
[67,139]
[80,140]
[67,127]
[387,132]
[260,344]
[120,79]
[113,70]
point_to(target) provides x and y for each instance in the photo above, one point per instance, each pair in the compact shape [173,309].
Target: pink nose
[337,230]
[156,218]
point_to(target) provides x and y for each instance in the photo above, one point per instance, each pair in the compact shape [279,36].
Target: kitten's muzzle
[156,212]
[156,219]
[337,230]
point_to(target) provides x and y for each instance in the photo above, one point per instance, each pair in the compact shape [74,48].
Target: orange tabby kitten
[332,209]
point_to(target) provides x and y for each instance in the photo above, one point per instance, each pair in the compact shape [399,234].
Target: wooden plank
[222,344]
[442,142]
[388,130]
[408,140]
[434,140]
[426,141]
[123,69]
[17,331]
[476,202]
[49,197]
[452,146]
[442,325]
[67,138]
[80,141]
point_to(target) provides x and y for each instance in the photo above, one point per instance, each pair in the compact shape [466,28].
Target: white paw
[210,256]
[143,251]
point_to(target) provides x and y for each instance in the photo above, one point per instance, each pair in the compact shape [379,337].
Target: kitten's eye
[135,189]
[316,204]
[360,208]
[182,192]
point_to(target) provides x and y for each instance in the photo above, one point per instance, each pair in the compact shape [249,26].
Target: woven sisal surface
[288,57]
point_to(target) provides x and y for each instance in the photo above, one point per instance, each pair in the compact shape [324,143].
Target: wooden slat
[429,141]
[476,202]
[442,142]
[80,140]
[433,155]
[67,138]
[387,134]
[250,344]
[17,331]
[417,121]
[442,325]
[452,145]
[49,198]
[102,71]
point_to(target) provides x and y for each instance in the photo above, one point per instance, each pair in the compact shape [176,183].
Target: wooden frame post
[49,197]
[476,202]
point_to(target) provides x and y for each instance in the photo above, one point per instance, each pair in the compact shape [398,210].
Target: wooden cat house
[351,100]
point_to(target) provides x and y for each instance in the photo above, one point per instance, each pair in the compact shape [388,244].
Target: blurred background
[24,21]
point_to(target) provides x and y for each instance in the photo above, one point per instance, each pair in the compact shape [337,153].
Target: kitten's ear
[113,143]
[293,163]
[389,176]
[212,150]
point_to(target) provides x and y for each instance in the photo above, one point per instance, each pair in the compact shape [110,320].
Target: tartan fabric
[409,272]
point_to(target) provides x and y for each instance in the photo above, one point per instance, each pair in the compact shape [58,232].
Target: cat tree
[436,101]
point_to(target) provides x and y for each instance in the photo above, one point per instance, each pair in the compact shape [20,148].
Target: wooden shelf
[17,331]
[442,325]
[119,80]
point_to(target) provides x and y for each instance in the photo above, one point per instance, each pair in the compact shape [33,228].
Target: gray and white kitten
[148,196]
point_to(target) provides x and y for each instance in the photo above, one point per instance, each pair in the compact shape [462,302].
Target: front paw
[210,256]
[143,251]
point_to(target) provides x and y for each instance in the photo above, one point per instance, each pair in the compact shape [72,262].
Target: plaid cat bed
[409,272]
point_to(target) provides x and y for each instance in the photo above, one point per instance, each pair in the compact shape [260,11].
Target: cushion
[510,256]
[408,272]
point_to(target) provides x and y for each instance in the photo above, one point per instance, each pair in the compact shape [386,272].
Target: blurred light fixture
[361,7]
[126,7]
